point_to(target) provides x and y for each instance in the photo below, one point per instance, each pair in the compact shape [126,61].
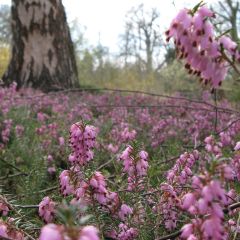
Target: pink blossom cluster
[213,147]
[19,129]
[69,181]
[168,206]
[109,200]
[5,134]
[234,227]
[135,165]
[50,163]
[182,170]
[96,191]
[93,190]
[128,135]
[46,209]
[195,42]
[7,98]
[121,133]
[226,138]
[49,135]
[7,230]
[235,163]
[59,232]
[125,232]
[42,117]
[163,129]
[124,212]
[4,206]
[206,204]
[82,140]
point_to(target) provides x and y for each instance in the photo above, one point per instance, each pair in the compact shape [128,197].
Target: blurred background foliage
[143,61]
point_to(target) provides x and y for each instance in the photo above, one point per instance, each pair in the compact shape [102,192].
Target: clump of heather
[205,54]
[82,140]
[47,209]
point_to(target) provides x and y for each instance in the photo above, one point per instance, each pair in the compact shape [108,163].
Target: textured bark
[42,49]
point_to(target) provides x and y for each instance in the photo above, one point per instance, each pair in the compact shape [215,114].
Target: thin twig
[104,164]
[230,125]
[13,175]
[26,206]
[41,191]
[216,111]
[64,91]
[11,165]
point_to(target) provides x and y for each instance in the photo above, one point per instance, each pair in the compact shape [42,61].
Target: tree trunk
[42,49]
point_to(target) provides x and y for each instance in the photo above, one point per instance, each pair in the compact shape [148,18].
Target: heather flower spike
[82,140]
[204,54]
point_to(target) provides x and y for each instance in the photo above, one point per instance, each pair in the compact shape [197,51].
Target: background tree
[142,37]
[5,25]
[42,52]
[228,12]
[5,37]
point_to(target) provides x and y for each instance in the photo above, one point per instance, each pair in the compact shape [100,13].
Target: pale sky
[107,16]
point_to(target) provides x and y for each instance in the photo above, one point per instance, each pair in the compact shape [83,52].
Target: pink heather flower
[227,172]
[82,140]
[19,129]
[192,237]
[41,117]
[142,163]
[113,201]
[236,164]
[188,200]
[126,233]
[199,48]
[47,209]
[207,210]
[213,147]
[205,12]
[51,232]
[98,182]
[187,230]
[65,183]
[8,231]
[212,229]
[135,166]
[237,147]
[225,138]
[4,207]
[89,233]
[124,212]
[228,44]
[3,230]
[51,170]
[202,206]
[61,141]
[168,203]
[127,160]
[181,171]
[231,196]
[112,148]
[50,158]
[128,135]
[7,130]
[41,130]
[81,190]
